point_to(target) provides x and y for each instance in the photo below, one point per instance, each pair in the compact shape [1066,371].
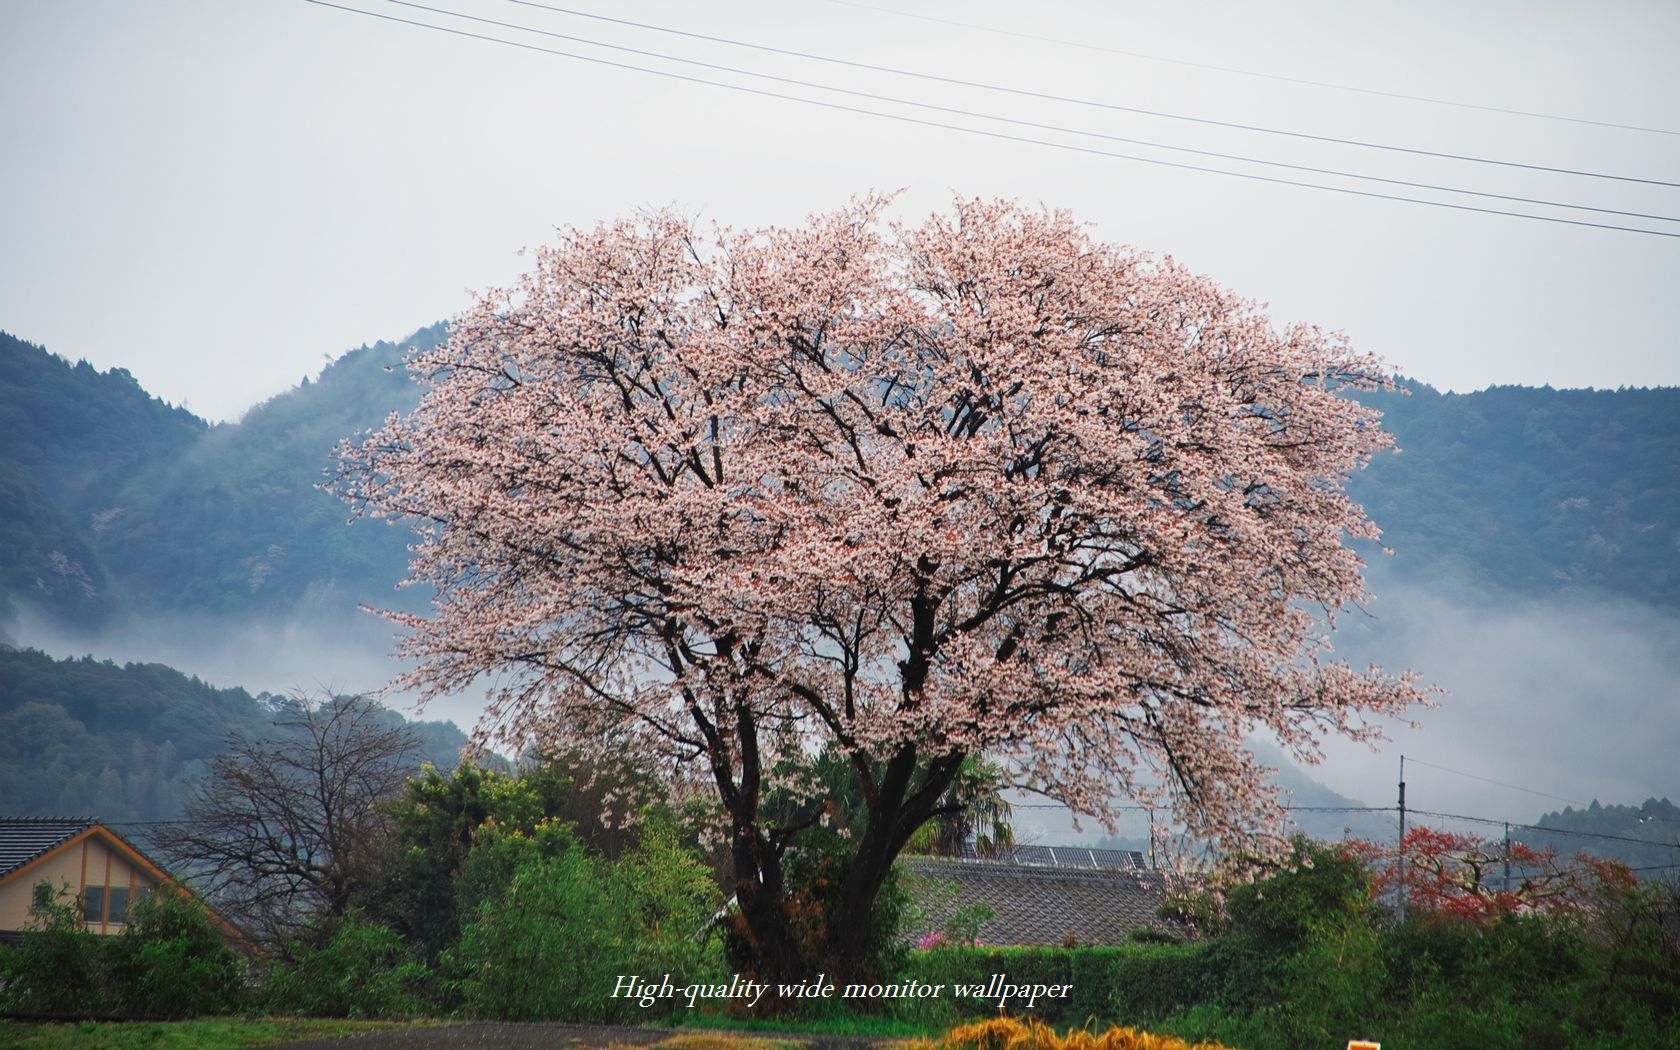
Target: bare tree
[287,830]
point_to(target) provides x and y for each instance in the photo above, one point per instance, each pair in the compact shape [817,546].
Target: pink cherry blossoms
[917,492]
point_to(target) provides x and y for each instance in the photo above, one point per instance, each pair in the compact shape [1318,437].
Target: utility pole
[1152,863]
[1400,851]
[1505,887]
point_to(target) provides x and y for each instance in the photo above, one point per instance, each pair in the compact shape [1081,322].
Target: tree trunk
[901,806]
[766,927]
[778,944]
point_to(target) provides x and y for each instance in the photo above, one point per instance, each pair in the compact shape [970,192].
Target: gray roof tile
[22,839]
[1043,905]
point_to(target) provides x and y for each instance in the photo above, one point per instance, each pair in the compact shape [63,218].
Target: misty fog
[1576,697]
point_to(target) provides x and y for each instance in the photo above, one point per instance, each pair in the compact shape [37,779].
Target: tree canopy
[981,485]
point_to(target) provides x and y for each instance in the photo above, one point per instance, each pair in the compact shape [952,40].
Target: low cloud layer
[342,654]
[1576,697]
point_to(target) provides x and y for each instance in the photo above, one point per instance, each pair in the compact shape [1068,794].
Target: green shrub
[362,970]
[60,968]
[674,899]
[1630,951]
[547,944]
[1149,983]
[435,823]
[554,927]
[1318,884]
[1329,988]
[171,961]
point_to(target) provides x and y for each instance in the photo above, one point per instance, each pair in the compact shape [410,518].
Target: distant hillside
[116,504]
[126,743]
[1654,826]
[1538,491]
[1318,812]
[113,504]
[237,525]
[69,437]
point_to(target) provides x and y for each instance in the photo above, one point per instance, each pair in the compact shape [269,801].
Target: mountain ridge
[121,503]
[129,741]
[134,519]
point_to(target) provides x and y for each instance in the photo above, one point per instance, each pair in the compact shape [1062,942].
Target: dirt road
[503,1036]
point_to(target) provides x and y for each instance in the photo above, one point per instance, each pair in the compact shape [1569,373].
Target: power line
[1597,835]
[1074,100]
[1474,820]
[1287,809]
[993,134]
[1341,809]
[1036,125]
[1256,73]
[1501,783]
[1552,831]
[1292,809]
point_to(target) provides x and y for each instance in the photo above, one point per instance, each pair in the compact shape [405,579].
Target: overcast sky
[217,196]
[221,196]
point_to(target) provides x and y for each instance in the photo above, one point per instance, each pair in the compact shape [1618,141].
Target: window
[93,904]
[119,904]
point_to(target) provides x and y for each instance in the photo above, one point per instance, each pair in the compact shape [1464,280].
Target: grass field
[222,1033]
[232,1033]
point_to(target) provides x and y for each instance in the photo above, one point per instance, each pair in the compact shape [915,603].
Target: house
[106,874]
[1043,895]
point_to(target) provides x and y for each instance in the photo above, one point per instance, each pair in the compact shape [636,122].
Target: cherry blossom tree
[981,485]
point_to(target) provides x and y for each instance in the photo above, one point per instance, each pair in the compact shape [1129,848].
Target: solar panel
[1087,857]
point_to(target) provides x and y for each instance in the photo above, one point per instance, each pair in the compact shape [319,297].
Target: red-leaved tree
[1471,877]
[903,494]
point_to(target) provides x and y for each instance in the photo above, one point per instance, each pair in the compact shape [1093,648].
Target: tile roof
[1034,904]
[22,839]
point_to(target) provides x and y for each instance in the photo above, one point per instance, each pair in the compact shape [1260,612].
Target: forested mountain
[113,504]
[237,525]
[1536,491]
[84,736]
[69,437]
[117,504]
[1645,836]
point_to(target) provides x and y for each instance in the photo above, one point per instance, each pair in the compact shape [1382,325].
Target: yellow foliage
[1008,1033]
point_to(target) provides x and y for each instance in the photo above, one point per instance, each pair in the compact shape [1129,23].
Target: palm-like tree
[973,806]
